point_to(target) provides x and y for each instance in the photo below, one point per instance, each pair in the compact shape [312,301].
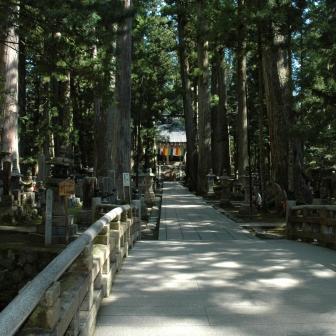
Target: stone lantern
[211,182]
[148,184]
[141,182]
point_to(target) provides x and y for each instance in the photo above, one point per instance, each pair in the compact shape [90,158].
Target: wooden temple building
[171,144]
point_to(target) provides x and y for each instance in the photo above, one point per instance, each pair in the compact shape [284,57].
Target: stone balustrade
[70,303]
[312,223]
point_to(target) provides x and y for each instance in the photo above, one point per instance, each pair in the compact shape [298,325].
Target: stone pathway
[185,216]
[208,277]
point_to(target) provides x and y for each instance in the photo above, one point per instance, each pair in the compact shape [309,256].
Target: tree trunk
[104,121]
[99,130]
[10,110]
[261,114]
[297,185]
[204,155]
[242,136]
[65,116]
[187,103]
[123,102]
[215,161]
[221,127]
[275,80]
[22,78]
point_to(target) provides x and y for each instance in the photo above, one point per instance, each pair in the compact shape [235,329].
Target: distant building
[171,142]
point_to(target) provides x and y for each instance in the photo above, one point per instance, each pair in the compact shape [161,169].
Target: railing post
[131,232]
[137,219]
[47,314]
[104,278]
[125,230]
[117,241]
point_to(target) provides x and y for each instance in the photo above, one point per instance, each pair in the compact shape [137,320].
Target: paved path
[185,216]
[216,280]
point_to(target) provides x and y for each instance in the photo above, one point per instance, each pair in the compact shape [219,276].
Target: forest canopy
[253,80]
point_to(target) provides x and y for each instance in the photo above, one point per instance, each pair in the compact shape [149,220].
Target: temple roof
[172,132]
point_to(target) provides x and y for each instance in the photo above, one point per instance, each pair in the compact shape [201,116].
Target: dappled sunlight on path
[221,287]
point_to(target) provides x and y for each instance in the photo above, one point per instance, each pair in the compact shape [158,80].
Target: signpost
[126,180]
[66,188]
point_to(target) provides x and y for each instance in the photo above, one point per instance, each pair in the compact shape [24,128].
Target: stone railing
[65,297]
[312,223]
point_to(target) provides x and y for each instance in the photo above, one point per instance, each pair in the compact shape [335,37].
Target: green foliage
[59,39]
[155,73]
[76,40]
[316,81]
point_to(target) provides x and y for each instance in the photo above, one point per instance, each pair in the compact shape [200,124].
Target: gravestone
[62,224]
[79,188]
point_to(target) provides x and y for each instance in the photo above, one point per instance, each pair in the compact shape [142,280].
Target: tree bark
[214,115]
[261,114]
[65,115]
[10,110]
[204,125]
[220,140]
[22,77]
[276,82]
[187,101]
[123,102]
[105,127]
[242,136]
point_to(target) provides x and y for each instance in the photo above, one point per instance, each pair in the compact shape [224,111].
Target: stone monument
[63,226]
[211,182]
[149,192]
